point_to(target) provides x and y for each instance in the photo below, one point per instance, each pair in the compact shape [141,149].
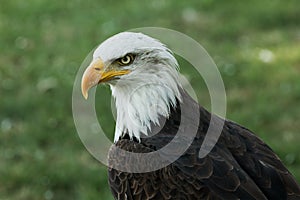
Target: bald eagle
[152,107]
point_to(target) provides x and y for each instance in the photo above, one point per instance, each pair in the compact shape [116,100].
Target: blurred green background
[254,43]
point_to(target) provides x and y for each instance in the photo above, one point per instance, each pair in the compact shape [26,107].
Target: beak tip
[84,92]
[85,96]
[91,77]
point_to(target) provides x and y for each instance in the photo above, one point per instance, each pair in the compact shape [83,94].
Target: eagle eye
[126,60]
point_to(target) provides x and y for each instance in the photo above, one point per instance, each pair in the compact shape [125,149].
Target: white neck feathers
[143,98]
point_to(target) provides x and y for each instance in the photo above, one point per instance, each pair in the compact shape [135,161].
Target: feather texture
[150,101]
[240,166]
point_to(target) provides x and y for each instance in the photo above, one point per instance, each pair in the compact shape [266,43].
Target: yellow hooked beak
[98,73]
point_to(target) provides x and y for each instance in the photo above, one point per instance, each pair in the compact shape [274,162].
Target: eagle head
[143,76]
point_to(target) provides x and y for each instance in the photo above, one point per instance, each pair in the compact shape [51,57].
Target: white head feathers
[149,90]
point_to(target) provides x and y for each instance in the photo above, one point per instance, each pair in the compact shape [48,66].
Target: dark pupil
[126,59]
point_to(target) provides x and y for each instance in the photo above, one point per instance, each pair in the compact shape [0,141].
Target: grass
[255,45]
